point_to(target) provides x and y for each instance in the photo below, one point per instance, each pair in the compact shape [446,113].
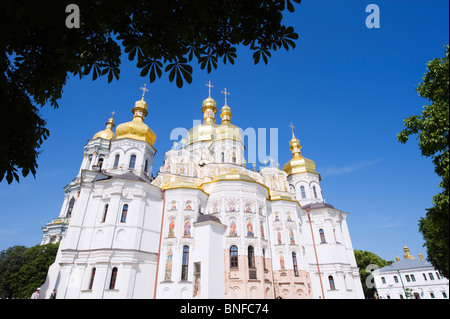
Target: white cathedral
[204,227]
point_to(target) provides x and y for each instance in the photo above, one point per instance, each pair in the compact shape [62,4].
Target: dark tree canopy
[39,52]
[432,130]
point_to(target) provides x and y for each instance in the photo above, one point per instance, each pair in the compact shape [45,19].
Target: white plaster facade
[204,227]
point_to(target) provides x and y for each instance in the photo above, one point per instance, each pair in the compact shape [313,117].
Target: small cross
[112,113]
[210,86]
[225,93]
[144,89]
[292,127]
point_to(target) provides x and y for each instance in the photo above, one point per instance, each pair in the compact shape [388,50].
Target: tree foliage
[22,269]
[363,260]
[432,130]
[38,52]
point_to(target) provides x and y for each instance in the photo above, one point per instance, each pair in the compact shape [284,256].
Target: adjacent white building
[204,227]
[410,279]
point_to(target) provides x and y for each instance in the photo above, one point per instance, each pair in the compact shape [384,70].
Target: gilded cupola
[136,129]
[107,133]
[206,130]
[227,130]
[298,163]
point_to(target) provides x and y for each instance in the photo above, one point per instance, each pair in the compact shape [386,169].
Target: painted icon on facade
[168,269]
[233,232]
[172,228]
[187,228]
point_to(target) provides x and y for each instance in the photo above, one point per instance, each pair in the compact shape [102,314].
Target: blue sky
[345,87]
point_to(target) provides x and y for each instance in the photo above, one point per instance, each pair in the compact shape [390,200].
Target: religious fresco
[233,232]
[279,237]
[171,228]
[249,228]
[168,269]
[187,228]
[291,237]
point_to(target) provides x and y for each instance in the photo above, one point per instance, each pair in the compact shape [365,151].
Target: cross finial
[292,127]
[209,85]
[225,93]
[112,114]
[144,89]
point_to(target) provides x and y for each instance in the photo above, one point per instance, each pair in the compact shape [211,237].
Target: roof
[127,175]
[317,206]
[406,264]
[208,217]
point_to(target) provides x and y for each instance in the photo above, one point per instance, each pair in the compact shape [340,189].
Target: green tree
[431,128]
[363,260]
[33,272]
[23,269]
[38,52]
[10,262]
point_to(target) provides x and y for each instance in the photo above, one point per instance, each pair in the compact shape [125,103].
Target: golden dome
[298,163]
[209,102]
[407,254]
[136,129]
[233,175]
[206,130]
[202,132]
[107,133]
[227,130]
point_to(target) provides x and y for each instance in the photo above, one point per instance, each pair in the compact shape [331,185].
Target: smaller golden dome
[298,163]
[107,133]
[407,254]
[136,129]
[209,102]
[227,130]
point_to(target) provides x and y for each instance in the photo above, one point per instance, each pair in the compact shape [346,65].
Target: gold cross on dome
[113,113]
[292,127]
[144,89]
[210,86]
[225,93]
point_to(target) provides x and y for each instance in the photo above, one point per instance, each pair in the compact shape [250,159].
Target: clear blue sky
[345,87]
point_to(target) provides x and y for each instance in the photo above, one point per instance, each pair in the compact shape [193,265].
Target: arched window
[116,161]
[294,263]
[105,212]
[234,157]
[322,236]
[112,283]
[233,257]
[314,191]
[251,257]
[222,157]
[132,162]
[331,281]
[70,208]
[123,218]
[302,190]
[185,263]
[91,281]
[100,162]
[146,166]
